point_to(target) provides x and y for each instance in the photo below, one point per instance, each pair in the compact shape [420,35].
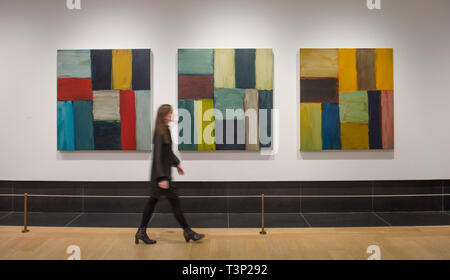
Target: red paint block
[195,86]
[128,119]
[75,89]
[387,119]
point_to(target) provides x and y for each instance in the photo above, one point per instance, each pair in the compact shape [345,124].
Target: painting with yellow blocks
[225,99]
[346,99]
[104,99]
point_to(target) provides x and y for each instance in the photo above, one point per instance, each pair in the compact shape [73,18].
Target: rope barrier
[262,196]
[230,196]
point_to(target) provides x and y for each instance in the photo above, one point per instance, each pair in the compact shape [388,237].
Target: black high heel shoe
[141,234]
[189,234]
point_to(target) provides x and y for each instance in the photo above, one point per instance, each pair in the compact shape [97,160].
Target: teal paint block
[229,98]
[66,137]
[265,105]
[196,61]
[186,125]
[83,125]
[74,64]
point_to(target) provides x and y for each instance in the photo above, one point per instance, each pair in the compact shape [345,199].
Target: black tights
[150,207]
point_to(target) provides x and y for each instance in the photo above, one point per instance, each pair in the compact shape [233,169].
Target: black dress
[163,161]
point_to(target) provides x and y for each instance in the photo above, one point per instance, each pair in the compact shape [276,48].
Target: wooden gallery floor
[301,243]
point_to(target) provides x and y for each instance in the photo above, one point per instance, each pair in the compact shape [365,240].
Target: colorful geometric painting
[225,99]
[104,99]
[346,99]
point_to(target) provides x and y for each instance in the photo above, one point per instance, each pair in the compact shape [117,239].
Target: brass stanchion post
[25,213]
[262,215]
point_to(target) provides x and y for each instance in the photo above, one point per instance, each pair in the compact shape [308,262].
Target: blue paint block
[107,135]
[141,69]
[245,68]
[66,137]
[101,67]
[331,127]
[83,125]
[374,100]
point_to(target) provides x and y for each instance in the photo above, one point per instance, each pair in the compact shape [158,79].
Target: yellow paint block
[205,124]
[121,69]
[355,136]
[310,126]
[319,63]
[264,69]
[384,69]
[348,80]
[224,68]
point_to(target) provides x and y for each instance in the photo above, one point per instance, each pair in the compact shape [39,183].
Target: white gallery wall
[418,30]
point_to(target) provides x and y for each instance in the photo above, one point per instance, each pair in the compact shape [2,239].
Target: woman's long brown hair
[161,124]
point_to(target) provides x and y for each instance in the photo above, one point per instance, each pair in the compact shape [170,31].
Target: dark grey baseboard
[370,202]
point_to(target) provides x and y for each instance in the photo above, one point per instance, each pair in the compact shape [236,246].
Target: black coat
[163,158]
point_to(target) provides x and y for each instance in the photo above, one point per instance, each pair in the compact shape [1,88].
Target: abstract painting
[225,99]
[346,99]
[103,99]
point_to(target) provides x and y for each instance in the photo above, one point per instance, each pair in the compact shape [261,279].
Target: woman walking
[161,181]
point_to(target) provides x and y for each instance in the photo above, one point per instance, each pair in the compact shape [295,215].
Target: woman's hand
[163,184]
[180,170]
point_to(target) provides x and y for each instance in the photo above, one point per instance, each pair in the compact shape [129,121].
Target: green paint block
[353,107]
[143,124]
[74,64]
[196,61]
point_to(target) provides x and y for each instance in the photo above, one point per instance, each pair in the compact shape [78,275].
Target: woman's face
[169,116]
